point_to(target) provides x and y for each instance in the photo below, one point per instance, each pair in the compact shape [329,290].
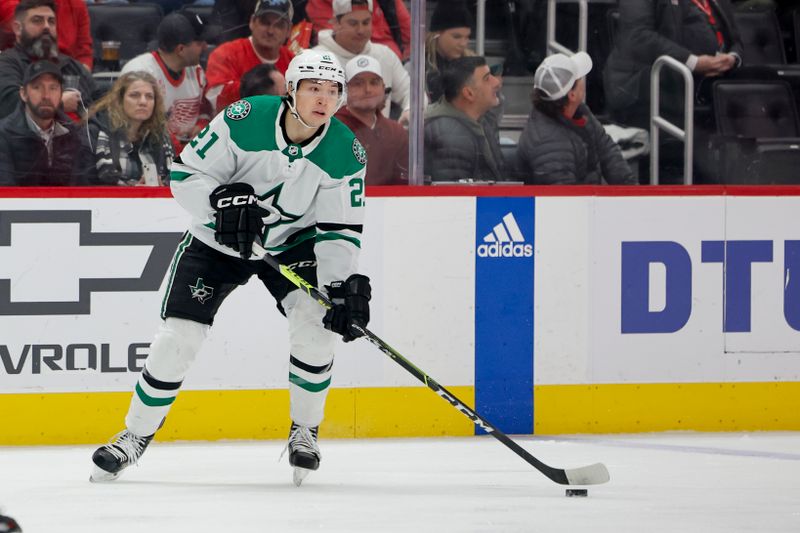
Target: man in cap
[391,23]
[182,39]
[350,36]
[458,144]
[270,26]
[39,146]
[36,38]
[563,143]
[385,141]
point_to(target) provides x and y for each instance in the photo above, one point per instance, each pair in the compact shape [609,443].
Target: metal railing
[554,46]
[658,123]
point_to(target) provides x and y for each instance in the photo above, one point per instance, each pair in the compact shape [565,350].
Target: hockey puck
[579,493]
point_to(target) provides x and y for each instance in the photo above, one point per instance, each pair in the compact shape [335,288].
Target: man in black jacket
[701,34]
[35,29]
[458,144]
[36,148]
[563,143]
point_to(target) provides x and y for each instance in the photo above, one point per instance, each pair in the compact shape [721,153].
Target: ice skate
[304,453]
[111,459]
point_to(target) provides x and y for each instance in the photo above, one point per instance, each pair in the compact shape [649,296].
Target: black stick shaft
[594,473]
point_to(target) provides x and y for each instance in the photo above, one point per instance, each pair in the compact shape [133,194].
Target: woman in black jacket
[131,143]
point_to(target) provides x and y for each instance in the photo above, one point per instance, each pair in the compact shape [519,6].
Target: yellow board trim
[77,418]
[84,418]
[632,408]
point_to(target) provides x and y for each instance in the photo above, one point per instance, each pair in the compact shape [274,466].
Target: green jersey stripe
[331,236]
[177,175]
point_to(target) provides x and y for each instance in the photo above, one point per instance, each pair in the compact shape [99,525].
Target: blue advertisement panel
[504,312]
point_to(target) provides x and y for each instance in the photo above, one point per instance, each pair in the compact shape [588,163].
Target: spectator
[391,23]
[37,147]
[385,141]
[176,67]
[700,33]
[263,79]
[74,35]
[35,32]
[350,36]
[233,17]
[446,41]
[457,145]
[270,24]
[563,143]
[132,145]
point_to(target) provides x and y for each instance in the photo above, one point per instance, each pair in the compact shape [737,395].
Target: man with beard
[270,26]
[35,31]
[39,146]
[385,141]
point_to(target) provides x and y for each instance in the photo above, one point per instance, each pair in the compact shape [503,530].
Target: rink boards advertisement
[551,312]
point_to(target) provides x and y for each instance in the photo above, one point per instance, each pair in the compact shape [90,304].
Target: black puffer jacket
[558,152]
[13,63]
[24,158]
[457,147]
[652,28]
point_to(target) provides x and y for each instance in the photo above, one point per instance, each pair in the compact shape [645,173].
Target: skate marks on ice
[448,484]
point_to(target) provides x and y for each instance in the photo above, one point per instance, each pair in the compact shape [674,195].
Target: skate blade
[299,475]
[99,475]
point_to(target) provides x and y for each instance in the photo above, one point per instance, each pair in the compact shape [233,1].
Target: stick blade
[595,474]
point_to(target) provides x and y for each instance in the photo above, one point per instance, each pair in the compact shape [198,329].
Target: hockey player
[280,172]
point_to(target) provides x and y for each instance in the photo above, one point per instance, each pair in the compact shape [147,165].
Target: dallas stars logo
[238,110]
[275,215]
[201,292]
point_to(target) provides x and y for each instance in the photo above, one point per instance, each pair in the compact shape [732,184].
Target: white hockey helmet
[315,65]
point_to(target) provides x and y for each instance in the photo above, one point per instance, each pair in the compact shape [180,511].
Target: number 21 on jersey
[206,143]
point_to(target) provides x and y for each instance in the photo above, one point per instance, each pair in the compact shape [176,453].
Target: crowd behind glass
[77,107]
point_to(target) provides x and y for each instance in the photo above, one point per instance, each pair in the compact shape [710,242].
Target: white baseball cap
[360,64]
[343,7]
[558,73]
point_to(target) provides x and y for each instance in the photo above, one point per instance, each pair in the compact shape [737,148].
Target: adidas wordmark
[505,240]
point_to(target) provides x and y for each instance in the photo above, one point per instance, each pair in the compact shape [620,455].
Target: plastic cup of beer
[110,50]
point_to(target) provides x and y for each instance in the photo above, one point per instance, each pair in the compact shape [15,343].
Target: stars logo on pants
[201,292]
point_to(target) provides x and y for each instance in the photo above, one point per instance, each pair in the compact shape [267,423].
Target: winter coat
[395,76]
[457,147]
[119,162]
[24,159]
[652,28]
[13,63]
[559,152]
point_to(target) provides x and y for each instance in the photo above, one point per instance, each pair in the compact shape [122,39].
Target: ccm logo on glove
[245,199]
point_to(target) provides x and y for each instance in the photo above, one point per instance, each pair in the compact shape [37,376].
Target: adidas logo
[505,240]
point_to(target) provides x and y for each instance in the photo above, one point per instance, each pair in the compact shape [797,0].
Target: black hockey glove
[350,306]
[238,218]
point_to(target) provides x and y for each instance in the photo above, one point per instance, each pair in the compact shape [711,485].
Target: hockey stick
[585,475]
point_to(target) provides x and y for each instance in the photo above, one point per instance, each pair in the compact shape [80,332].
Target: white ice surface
[677,482]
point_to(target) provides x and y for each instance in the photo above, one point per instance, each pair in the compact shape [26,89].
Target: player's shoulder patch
[238,110]
[359,152]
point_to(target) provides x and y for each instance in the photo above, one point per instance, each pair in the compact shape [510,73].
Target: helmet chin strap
[295,114]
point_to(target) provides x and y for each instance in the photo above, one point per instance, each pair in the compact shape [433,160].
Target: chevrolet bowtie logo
[162,247]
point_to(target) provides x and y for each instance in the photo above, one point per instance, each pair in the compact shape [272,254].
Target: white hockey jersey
[183,98]
[316,190]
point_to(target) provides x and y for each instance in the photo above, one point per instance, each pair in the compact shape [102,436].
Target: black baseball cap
[182,27]
[40,68]
[281,8]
